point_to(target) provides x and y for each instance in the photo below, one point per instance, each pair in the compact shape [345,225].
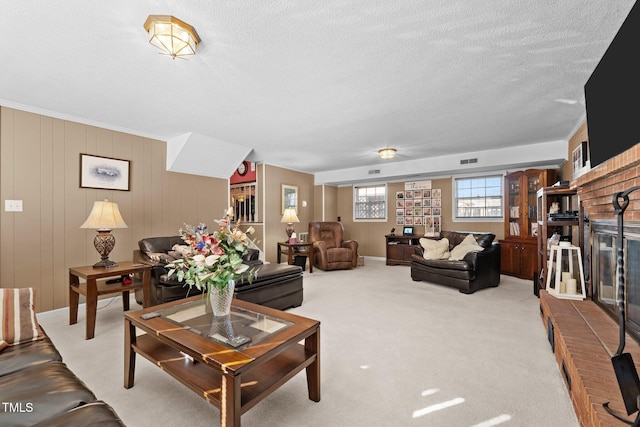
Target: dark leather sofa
[276,286]
[477,270]
[37,389]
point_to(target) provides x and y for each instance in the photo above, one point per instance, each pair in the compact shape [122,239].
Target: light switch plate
[13,205]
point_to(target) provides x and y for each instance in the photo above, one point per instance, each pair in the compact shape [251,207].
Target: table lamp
[289,217]
[104,217]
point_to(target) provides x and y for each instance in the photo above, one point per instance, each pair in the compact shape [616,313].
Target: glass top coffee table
[232,361]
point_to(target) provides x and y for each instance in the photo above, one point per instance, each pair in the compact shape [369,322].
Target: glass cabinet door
[513,200]
[533,184]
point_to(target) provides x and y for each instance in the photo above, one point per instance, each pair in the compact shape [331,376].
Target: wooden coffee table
[191,345]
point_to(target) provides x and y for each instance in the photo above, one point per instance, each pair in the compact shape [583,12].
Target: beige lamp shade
[104,215]
[290,216]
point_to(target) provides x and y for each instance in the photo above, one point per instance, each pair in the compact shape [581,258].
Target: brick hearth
[585,338]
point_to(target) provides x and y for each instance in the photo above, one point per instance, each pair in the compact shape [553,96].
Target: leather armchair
[331,252]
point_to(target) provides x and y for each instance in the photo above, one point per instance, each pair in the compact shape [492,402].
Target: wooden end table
[93,287]
[190,344]
[294,249]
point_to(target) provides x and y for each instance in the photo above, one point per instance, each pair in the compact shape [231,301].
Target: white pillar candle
[566,275]
[572,286]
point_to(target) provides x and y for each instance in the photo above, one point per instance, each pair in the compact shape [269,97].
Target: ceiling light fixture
[171,35]
[387,153]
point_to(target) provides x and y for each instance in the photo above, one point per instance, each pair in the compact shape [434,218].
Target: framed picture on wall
[105,173]
[289,197]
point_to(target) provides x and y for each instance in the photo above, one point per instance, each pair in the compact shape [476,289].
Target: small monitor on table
[407,231]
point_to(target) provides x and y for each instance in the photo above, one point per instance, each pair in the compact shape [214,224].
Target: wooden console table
[401,247]
[93,288]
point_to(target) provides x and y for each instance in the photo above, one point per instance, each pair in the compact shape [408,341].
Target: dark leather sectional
[276,285]
[37,389]
[477,270]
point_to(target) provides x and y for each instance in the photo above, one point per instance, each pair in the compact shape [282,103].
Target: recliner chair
[331,252]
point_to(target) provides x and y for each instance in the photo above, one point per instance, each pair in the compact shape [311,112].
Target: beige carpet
[394,352]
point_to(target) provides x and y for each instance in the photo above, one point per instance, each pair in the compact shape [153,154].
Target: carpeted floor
[393,352]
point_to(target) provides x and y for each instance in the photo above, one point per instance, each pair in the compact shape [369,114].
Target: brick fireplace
[584,336]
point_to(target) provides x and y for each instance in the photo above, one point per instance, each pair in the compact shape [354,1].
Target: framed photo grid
[420,207]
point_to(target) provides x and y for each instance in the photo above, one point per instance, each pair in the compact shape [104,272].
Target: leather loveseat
[37,388]
[276,286]
[476,270]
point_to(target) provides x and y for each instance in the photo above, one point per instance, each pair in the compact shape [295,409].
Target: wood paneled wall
[39,164]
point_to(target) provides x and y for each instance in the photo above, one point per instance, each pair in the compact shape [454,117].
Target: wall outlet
[13,205]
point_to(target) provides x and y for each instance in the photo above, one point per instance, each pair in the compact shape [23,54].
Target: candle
[572,286]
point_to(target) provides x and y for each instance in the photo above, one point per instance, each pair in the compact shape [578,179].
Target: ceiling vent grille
[468,161]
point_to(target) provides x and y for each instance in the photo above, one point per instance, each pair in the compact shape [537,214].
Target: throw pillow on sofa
[435,249]
[469,244]
[17,317]
[161,257]
[184,250]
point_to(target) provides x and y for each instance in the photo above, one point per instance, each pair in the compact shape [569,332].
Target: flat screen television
[612,94]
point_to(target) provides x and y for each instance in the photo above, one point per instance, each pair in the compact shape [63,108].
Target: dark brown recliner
[330,252]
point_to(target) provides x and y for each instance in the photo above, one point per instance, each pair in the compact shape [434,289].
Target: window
[478,197]
[370,202]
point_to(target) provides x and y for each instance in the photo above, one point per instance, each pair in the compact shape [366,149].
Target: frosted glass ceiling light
[171,35]
[387,153]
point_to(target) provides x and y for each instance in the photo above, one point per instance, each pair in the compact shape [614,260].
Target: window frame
[454,197]
[386,201]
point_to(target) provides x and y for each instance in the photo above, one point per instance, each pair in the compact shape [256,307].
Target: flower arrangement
[215,258]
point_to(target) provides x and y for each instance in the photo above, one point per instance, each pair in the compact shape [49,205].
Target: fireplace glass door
[605,282]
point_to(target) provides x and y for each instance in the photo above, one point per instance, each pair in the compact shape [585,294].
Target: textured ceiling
[315,86]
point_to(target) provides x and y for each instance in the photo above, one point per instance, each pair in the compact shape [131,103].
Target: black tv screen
[612,94]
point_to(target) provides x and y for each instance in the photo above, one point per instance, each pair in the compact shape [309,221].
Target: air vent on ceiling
[468,161]
[374,171]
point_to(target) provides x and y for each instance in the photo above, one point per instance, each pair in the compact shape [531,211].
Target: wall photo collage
[420,207]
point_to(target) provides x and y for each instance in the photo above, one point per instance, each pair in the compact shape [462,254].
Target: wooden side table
[293,249]
[93,288]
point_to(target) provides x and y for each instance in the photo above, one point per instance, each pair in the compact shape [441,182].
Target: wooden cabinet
[518,258]
[521,223]
[400,248]
[568,222]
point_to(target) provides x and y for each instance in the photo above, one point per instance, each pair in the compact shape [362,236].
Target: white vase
[220,299]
